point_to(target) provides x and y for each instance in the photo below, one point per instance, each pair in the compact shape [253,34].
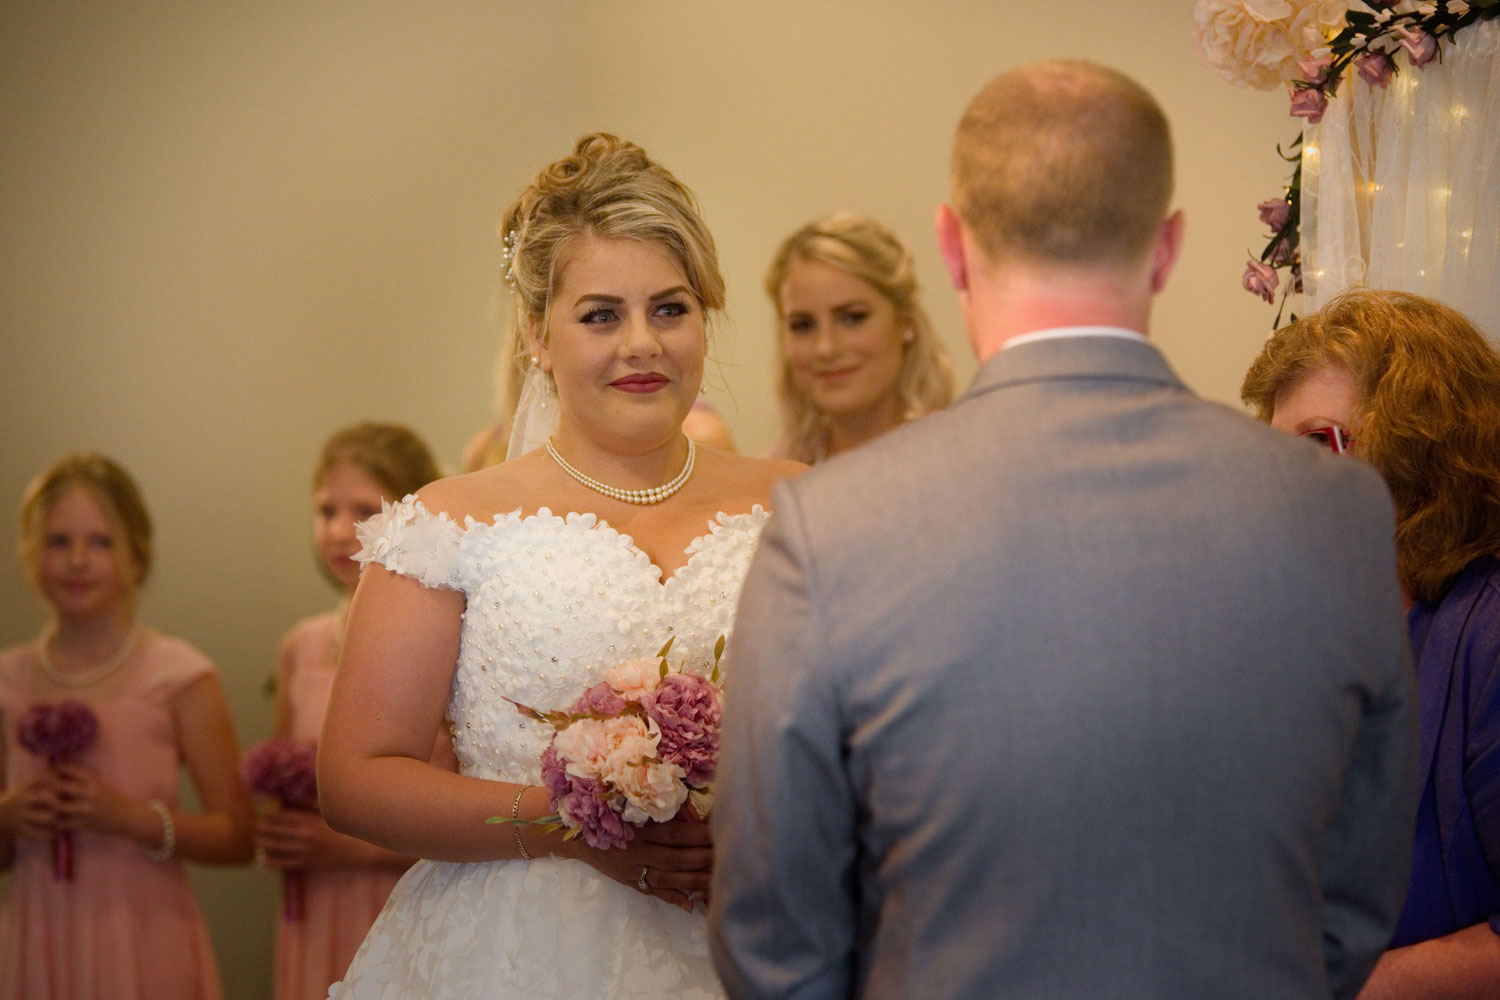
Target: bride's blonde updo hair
[860,246]
[608,188]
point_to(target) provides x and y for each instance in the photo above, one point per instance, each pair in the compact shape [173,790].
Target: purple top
[1456,853]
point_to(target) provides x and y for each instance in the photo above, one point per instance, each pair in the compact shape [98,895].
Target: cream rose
[653,789]
[634,678]
[588,744]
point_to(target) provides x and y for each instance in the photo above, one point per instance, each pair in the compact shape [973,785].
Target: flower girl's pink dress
[126,927]
[339,904]
[552,603]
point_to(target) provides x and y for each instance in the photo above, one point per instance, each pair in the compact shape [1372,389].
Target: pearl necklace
[93,674]
[654,495]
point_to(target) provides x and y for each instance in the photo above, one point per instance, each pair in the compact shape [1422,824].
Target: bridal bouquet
[61,732]
[637,746]
[284,770]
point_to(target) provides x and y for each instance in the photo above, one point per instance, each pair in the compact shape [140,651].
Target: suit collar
[1074,357]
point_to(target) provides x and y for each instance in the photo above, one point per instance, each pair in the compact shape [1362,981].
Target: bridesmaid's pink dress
[339,904]
[126,927]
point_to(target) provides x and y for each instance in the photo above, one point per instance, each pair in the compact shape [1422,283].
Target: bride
[525,582]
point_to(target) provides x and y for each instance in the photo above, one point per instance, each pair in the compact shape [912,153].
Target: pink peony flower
[1421,48]
[60,731]
[284,770]
[1261,280]
[1309,103]
[1274,212]
[601,699]
[584,807]
[688,710]
[1375,68]
[554,774]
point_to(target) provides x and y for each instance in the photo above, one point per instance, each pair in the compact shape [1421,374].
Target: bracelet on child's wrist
[168,832]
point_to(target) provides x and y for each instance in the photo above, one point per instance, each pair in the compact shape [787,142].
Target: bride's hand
[672,860]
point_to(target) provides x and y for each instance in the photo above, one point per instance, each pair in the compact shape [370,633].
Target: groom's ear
[1165,250]
[949,229]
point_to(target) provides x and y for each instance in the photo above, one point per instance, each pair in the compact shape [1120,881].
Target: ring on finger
[641,883]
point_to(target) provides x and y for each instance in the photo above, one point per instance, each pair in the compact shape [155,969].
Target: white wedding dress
[552,603]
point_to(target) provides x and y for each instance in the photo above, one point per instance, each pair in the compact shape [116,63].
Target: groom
[1084,687]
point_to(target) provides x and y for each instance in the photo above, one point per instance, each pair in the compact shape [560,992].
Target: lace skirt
[544,930]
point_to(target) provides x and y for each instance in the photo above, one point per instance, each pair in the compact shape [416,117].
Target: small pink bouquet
[60,731]
[637,746]
[284,770]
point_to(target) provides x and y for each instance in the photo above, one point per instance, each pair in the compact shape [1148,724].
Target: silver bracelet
[168,832]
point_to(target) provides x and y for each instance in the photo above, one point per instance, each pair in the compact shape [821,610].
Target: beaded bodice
[553,602]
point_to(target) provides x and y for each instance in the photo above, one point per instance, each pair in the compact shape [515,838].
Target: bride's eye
[597,316]
[673,309]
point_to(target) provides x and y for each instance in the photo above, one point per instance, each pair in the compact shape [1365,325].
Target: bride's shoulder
[424,535]
[752,478]
[480,495]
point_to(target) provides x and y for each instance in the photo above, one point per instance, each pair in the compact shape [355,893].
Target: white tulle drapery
[1401,186]
[536,414]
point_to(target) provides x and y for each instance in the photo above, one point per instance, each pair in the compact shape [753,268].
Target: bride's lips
[640,383]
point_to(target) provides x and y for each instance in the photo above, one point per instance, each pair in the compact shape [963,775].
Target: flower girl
[99,715]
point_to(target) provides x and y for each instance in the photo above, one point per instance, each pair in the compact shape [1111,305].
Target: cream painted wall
[226,232]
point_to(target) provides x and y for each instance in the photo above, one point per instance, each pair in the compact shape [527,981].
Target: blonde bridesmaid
[344,881]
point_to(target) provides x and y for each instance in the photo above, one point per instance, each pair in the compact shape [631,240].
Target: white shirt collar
[1059,332]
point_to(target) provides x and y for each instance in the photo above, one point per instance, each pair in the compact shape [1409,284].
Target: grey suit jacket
[1082,688]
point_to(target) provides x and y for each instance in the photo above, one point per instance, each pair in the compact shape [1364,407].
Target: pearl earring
[534,361]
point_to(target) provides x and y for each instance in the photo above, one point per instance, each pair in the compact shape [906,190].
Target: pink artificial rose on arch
[1309,103]
[1421,48]
[1375,68]
[1260,280]
[1274,212]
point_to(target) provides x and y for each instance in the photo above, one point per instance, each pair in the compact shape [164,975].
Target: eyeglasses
[1336,439]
